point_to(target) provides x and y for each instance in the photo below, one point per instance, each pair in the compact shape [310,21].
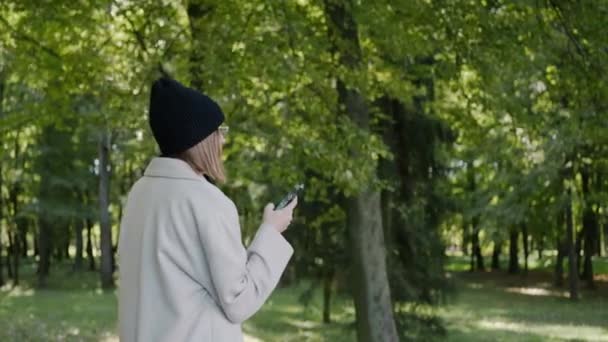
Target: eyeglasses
[223,129]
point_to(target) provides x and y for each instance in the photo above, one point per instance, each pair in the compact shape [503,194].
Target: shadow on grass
[492,305]
[497,334]
[283,318]
[72,308]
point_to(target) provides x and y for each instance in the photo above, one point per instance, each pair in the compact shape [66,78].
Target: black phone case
[290,196]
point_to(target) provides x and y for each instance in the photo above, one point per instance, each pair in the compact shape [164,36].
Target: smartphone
[296,191]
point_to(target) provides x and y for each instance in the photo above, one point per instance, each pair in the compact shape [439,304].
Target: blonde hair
[206,157]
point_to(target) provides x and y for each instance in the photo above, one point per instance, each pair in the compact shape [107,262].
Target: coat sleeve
[243,277]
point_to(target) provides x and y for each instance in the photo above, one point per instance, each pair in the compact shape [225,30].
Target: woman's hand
[279,219]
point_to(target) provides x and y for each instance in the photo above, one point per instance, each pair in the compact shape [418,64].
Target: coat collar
[171,168]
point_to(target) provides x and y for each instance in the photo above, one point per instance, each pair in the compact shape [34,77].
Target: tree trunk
[372,294]
[15,189]
[89,247]
[327,290]
[328,271]
[540,246]
[2,281]
[1,211]
[476,256]
[2,87]
[477,262]
[197,11]
[9,254]
[44,250]
[524,238]
[589,229]
[562,249]
[35,239]
[46,222]
[465,239]
[578,247]
[600,237]
[21,227]
[474,241]
[572,257]
[496,256]
[78,259]
[23,237]
[373,305]
[107,280]
[15,257]
[599,219]
[59,250]
[513,251]
[606,236]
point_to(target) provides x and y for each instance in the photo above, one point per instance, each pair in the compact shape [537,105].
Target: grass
[76,309]
[283,318]
[488,306]
[72,309]
[508,308]
[459,263]
[495,306]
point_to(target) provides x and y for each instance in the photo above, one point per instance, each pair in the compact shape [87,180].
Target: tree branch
[29,39]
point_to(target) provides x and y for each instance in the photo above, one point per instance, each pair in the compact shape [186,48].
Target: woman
[184,272]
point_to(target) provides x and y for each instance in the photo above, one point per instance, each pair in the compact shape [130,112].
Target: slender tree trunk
[22,229]
[88,225]
[16,233]
[524,238]
[477,262]
[9,254]
[599,220]
[600,237]
[572,257]
[328,272]
[2,87]
[578,247]
[562,250]
[476,256]
[90,256]
[373,305]
[480,263]
[496,255]
[327,290]
[2,281]
[35,239]
[513,251]
[16,253]
[66,243]
[46,223]
[197,11]
[589,229]
[606,236]
[107,280]
[465,239]
[58,250]
[23,237]
[540,247]
[472,256]
[78,259]
[44,250]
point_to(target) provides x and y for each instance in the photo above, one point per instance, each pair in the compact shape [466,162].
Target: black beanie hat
[181,117]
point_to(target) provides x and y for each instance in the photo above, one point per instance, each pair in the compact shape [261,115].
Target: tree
[373,304]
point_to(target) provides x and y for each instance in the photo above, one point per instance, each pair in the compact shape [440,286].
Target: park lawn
[76,309]
[487,306]
[458,263]
[495,306]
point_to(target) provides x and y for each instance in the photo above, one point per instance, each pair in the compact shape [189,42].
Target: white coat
[184,274]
